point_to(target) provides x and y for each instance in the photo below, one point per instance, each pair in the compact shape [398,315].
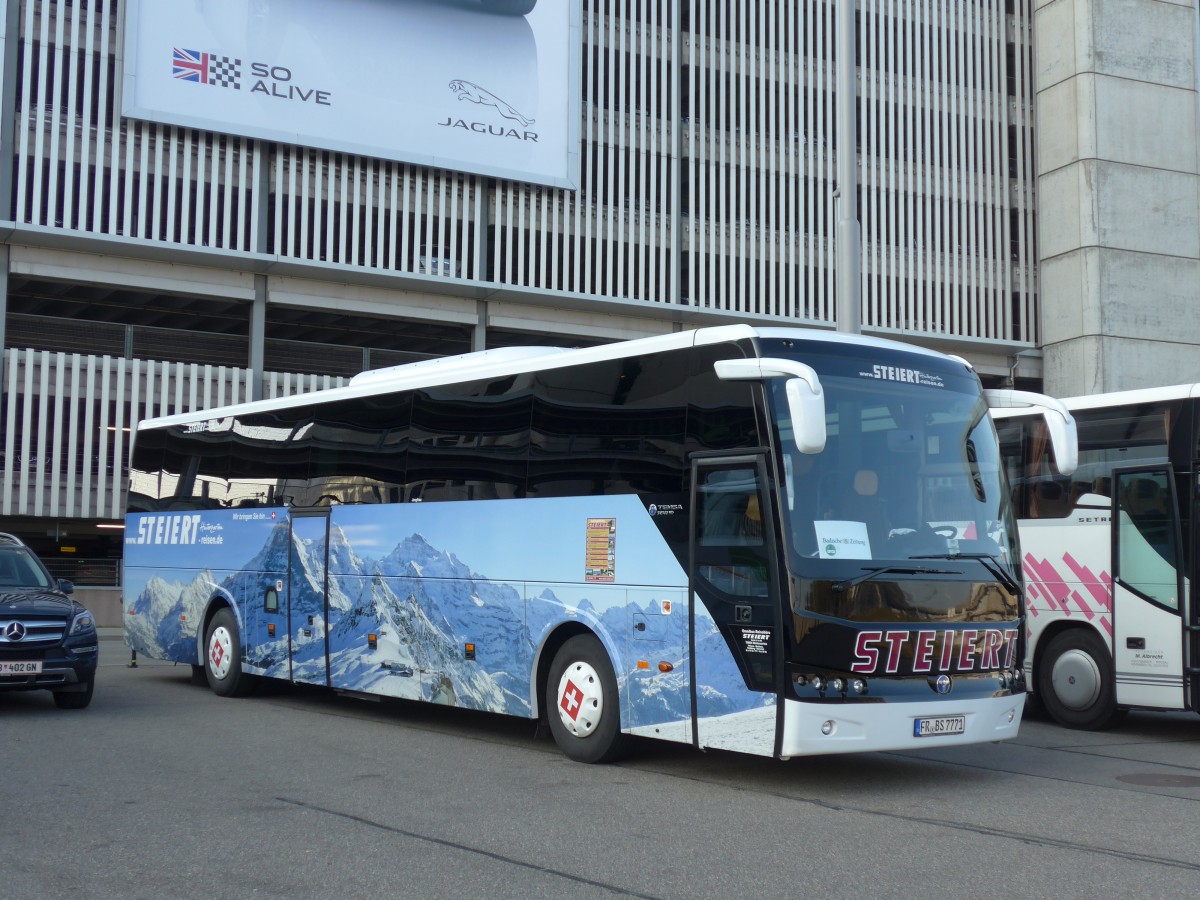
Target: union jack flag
[190,65]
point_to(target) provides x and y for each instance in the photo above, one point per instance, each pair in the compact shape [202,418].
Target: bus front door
[307,596]
[1148,643]
[734,621]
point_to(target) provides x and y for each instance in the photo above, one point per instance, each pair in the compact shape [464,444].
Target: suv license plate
[14,667]
[935,726]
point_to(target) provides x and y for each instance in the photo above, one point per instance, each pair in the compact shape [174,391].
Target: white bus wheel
[583,705]
[223,657]
[1075,681]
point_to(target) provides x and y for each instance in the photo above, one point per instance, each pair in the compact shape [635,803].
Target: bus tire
[1075,681]
[510,7]
[583,704]
[223,657]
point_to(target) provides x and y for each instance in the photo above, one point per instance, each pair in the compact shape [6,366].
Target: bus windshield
[910,469]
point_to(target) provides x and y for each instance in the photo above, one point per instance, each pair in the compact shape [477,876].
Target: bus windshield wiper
[839,586]
[990,563]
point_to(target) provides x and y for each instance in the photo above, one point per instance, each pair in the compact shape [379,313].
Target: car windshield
[18,570]
[910,469]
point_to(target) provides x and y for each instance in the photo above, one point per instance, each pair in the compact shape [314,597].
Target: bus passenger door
[1148,638]
[307,596]
[734,613]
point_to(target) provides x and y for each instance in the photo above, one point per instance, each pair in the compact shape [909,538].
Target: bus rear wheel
[585,718]
[1075,681]
[223,657]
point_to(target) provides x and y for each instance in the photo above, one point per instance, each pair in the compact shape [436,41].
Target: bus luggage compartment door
[307,596]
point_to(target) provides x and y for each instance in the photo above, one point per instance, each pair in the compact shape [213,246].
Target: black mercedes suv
[47,640]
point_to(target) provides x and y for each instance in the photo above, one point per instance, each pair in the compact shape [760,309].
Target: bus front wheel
[585,716]
[223,657]
[1075,681]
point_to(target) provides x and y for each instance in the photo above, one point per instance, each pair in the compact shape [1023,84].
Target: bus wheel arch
[222,652]
[580,697]
[1076,680]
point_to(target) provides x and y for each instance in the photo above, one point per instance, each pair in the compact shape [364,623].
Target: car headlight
[83,623]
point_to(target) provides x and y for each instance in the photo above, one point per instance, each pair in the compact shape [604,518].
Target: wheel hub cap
[1076,679]
[220,652]
[580,699]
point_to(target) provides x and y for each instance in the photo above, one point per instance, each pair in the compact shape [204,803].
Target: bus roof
[499,362]
[1131,398]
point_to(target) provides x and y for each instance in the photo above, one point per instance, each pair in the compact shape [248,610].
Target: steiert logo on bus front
[903,375]
[971,650]
[179,528]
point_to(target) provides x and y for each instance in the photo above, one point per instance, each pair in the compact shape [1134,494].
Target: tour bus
[769,540]
[1109,555]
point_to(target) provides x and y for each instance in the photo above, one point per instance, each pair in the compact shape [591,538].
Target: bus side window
[1050,500]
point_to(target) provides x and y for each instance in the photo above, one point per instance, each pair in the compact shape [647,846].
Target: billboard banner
[484,86]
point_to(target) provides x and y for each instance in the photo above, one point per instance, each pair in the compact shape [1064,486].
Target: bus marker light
[642,664]
[859,686]
[827,727]
[469,651]
[666,667]
[270,629]
[838,685]
[818,683]
[372,642]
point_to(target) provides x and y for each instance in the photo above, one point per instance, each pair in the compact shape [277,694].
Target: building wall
[707,177]
[1118,193]
[707,195]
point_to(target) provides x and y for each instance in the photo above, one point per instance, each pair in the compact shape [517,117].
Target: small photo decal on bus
[600,551]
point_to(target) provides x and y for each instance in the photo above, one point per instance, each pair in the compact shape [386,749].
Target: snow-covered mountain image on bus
[443,631]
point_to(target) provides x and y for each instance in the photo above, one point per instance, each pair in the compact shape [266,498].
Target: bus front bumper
[816,728]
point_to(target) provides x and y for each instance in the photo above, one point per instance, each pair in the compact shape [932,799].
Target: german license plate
[16,667]
[935,726]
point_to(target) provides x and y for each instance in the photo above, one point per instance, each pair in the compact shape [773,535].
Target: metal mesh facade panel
[708,154]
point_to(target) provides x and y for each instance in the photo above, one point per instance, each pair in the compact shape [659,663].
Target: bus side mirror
[1059,422]
[805,398]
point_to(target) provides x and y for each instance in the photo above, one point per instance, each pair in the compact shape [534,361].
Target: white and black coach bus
[776,541]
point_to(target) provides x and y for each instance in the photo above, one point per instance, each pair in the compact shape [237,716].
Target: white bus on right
[1109,554]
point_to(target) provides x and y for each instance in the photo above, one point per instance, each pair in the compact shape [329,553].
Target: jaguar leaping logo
[465,90]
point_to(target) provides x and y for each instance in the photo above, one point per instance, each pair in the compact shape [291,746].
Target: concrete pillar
[4,260]
[479,332]
[258,336]
[1118,155]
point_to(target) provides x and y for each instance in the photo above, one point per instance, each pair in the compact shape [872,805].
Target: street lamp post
[849,238]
